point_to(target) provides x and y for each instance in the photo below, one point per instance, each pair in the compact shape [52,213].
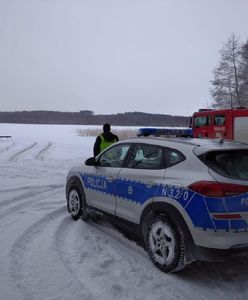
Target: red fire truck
[231,124]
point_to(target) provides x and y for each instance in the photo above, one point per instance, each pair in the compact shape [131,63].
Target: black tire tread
[75,184]
[180,261]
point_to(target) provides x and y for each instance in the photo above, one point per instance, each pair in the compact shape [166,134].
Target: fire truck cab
[231,124]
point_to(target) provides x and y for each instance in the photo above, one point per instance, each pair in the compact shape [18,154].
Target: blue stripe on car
[198,207]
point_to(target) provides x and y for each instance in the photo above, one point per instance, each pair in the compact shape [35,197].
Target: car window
[231,163]
[146,157]
[114,156]
[173,157]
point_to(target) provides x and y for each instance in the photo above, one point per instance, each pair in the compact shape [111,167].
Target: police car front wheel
[165,244]
[77,204]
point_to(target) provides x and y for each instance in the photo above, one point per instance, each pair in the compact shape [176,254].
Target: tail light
[217,189]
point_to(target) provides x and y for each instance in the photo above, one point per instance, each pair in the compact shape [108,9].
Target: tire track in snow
[61,235]
[69,252]
[32,273]
[15,156]
[34,192]
[7,148]
[87,250]
[103,251]
[222,279]
[42,152]
[25,203]
[152,279]
[87,255]
[19,251]
[53,186]
[203,286]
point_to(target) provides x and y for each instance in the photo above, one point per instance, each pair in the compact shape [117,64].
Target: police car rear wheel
[165,244]
[77,204]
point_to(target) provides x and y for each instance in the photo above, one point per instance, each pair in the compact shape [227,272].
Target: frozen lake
[44,254]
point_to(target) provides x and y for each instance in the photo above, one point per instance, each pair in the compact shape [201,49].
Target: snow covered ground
[44,254]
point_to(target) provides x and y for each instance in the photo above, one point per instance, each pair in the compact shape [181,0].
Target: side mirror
[91,161]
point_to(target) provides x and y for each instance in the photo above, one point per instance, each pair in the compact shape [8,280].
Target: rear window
[232,163]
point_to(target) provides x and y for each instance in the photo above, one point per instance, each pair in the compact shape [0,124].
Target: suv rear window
[231,163]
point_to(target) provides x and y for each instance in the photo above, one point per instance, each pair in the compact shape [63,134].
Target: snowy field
[44,254]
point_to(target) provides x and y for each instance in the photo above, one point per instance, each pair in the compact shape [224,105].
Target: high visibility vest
[104,144]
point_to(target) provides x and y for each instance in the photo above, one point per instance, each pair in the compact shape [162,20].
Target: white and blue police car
[187,198]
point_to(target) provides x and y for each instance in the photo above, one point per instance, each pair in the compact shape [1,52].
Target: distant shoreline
[89,118]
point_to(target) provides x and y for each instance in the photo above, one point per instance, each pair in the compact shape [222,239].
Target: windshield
[201,121]
[231,163]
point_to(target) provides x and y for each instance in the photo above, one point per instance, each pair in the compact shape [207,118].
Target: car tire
[165,244]
[76,203]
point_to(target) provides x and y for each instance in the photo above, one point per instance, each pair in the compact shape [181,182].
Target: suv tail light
[217,189]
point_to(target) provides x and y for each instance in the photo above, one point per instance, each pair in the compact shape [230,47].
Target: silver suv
[187,198]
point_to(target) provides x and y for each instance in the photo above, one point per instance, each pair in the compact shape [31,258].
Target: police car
[187,198]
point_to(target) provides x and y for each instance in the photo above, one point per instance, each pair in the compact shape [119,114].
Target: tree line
[229,87]
[86,117]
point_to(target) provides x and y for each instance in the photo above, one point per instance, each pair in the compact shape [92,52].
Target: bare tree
[227,78]
[244,74]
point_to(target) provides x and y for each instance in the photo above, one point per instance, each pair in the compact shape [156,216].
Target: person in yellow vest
[105,139]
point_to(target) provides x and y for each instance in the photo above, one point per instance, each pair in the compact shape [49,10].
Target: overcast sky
[113,56]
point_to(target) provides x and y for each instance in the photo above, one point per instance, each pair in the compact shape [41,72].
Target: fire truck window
[202,121]
[219,120]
